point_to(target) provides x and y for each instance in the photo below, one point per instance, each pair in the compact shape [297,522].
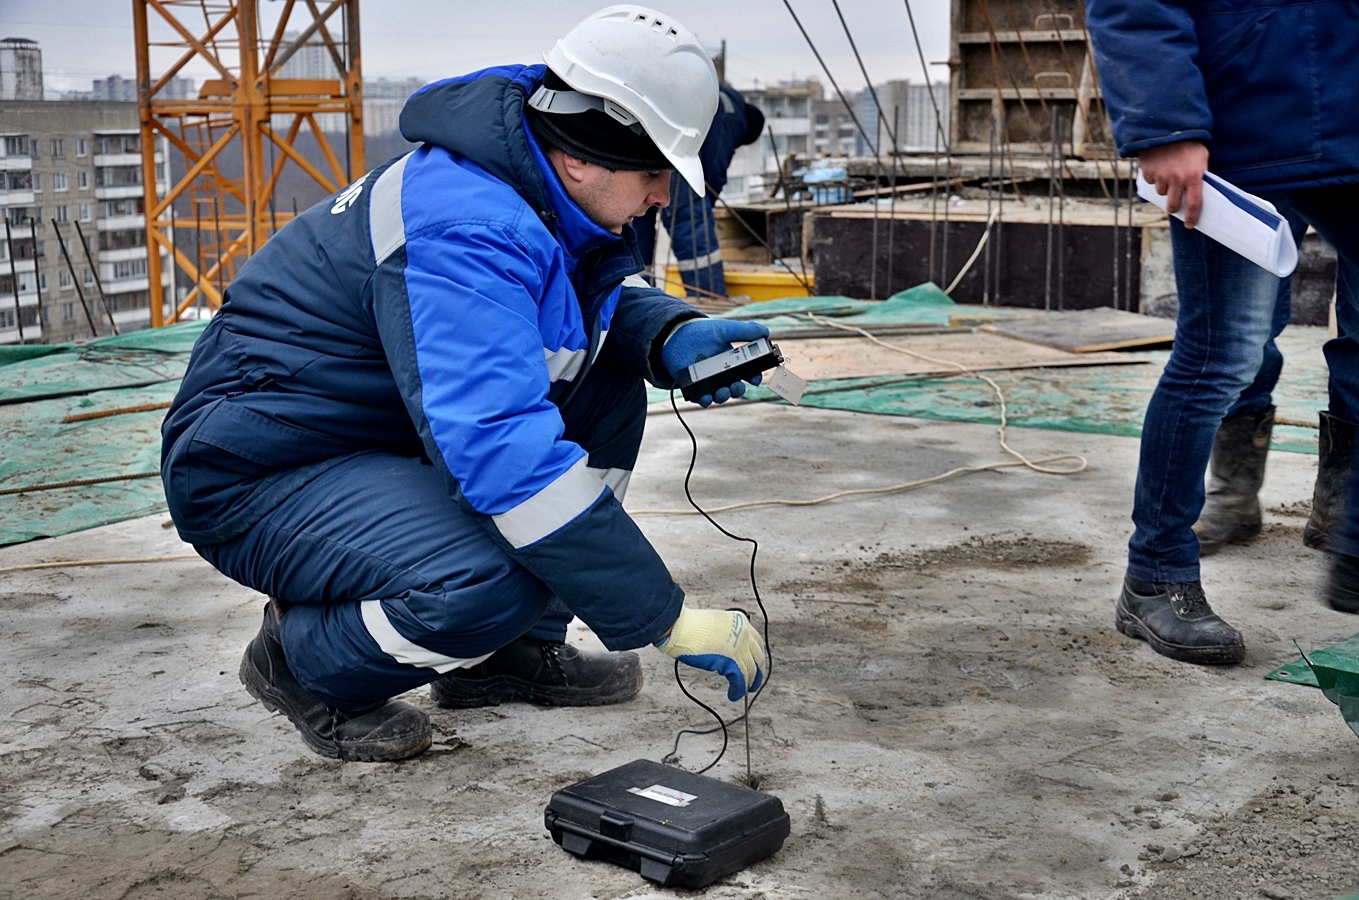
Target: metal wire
[849,108]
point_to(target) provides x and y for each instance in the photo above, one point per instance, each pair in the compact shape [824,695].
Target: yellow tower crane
[237,136]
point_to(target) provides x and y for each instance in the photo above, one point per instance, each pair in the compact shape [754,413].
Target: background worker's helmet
[644,70]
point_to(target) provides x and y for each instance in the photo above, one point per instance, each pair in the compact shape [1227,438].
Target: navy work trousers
[376,554]
[692,224]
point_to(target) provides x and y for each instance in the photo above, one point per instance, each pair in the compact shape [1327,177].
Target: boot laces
[1189,599]
[551,652]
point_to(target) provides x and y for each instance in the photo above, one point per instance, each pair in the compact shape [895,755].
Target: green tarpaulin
[40,386]
[139,369]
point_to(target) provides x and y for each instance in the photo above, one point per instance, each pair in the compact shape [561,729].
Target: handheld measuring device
[725,369]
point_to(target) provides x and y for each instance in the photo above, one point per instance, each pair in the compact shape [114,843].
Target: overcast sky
[86,39]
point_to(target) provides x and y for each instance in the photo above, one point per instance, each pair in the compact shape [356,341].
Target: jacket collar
[438,114]
[578,233]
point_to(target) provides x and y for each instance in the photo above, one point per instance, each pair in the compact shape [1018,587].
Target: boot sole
[271,699]
[1243,534]
[455,693]
[1134,627]
[1343,606]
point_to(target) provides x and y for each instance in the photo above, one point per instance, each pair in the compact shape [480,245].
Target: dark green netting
[924,304]
[1091,399]
[138,369]
[144,368]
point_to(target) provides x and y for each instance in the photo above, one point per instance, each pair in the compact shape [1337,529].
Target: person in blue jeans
[1231,512]
[1186,81]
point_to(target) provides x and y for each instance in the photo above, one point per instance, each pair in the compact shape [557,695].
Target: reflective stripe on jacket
[439,306]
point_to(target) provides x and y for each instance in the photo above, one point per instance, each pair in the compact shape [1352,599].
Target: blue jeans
[1224,362]
[383,527]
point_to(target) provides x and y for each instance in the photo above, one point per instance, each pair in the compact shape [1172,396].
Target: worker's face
[612,199]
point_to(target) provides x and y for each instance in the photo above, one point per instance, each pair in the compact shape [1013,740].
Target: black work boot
[1178,622]
[542,672]
[389,731]
[1231,510]
[1335,448]
[1342,583]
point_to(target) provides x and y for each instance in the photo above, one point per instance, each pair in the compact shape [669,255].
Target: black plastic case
[674,827]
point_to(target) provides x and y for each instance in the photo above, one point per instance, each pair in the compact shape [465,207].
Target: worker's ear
[574,168]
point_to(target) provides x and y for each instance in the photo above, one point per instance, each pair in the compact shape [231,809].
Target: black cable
[722,725]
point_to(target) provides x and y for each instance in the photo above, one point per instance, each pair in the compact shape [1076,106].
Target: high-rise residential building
[73,168]
[124,90]
[383,101]
[311,61]
[833,129]
[913,108]
[20,69]
[787,109]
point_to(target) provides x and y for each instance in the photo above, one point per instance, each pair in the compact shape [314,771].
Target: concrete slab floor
[951,715]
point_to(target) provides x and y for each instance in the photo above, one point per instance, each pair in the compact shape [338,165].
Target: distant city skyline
[85,40]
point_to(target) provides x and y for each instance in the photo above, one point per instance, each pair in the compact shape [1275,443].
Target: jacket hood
[498,141]
[493,99]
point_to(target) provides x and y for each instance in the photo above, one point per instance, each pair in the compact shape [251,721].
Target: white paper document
[1239,221]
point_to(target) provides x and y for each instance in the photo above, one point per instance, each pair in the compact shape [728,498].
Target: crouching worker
[414,419]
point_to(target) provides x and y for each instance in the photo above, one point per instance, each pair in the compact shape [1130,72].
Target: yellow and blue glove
[721,641]
[698,339]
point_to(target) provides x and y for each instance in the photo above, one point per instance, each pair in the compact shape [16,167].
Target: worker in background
[413,422]
[1265,91]
[690,218]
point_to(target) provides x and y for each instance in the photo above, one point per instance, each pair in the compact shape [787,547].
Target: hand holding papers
[1239,221]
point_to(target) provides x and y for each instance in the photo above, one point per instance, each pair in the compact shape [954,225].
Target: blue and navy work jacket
[442,305]
[1272,86]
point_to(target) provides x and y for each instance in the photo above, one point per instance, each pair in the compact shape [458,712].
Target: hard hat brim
[691,170]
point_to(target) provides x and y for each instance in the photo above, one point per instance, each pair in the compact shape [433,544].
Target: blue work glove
[721,641]
[699,339]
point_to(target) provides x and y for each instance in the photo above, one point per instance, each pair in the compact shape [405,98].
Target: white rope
[1037,465]
[119,561]
[961,369]
[975,253]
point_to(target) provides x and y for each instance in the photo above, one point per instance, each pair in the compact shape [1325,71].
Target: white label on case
[663,794]
[787,385]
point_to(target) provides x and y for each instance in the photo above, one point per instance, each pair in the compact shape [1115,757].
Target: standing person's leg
[1331,212]
[1231,509]
[1226,312]
[693,237]
[713,277]
[1334,524]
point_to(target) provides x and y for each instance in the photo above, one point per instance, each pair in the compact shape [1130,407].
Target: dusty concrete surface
[952,714]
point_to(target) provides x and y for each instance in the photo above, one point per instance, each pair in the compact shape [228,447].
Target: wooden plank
[1075,35]
[1088,330]
[816,358]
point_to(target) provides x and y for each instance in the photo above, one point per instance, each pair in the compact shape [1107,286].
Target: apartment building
[73,169]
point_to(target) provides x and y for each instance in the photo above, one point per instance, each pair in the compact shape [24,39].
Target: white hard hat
[641,67]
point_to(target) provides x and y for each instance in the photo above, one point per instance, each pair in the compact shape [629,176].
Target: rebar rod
[99,282]
[94,332]
[14,277]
